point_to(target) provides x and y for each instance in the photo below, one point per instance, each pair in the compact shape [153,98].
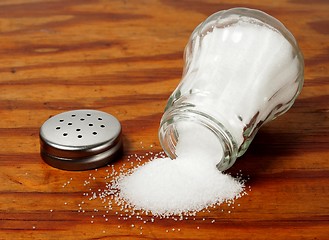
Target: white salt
[166,187]
[253,62]
[187,184]
[241,69]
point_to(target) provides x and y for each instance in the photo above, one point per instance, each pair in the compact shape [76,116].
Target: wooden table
[125,58]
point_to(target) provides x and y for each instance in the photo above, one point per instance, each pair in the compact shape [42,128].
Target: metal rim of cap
[80,140]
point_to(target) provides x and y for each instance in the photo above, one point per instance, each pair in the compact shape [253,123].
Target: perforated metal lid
[80,139]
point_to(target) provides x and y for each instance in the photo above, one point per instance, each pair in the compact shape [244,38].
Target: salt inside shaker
[243,68]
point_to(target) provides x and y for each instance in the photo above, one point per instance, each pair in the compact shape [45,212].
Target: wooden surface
[125,58]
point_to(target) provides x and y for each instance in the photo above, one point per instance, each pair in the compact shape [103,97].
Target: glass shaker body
[243,68]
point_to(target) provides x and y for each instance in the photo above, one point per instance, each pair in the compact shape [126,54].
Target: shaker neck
[185,113]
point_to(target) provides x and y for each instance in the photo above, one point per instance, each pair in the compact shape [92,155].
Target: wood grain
[125,58]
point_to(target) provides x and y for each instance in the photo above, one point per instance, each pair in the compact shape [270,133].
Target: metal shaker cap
[80,140]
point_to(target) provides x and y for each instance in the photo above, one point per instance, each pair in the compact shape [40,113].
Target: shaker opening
[192,135]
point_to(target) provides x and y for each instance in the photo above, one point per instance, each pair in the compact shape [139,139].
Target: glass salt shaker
[243,68]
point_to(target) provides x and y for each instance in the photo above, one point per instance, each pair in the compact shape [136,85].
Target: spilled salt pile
[187,184]
[171,187]
[102,201]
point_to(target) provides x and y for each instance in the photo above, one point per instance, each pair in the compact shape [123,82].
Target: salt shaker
[243,68]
